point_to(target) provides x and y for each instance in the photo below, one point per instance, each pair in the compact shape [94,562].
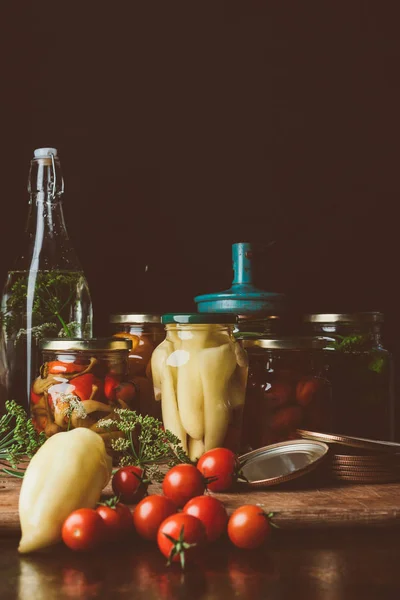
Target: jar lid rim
[135,318]
[357,317]
[89,344]
[287,343]
[199,318]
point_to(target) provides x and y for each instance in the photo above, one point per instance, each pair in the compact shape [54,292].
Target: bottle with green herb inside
[46,293]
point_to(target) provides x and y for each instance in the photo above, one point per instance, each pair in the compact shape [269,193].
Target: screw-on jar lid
[359,317]
[278,463]
[199,318]
[88,345]
[135,318]
[287,343]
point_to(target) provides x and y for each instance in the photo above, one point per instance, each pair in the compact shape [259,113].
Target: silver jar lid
[88,345]
[135,318]
[278,463]
[287,343]
[359,317]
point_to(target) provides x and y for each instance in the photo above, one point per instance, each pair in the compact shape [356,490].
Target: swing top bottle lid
[44,152]
[243,298]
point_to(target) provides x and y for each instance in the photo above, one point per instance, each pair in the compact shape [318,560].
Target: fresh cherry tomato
[84,529]
[56,367]
[222,464]
[111,382]
[117,519]
[178,531]
[211,513]
[150,513]
[248,527]
[129,484]
[182,483]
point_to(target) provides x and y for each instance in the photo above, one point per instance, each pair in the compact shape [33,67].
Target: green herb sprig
[18,439]
[144,442]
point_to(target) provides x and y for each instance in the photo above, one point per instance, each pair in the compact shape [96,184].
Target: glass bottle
[46,293]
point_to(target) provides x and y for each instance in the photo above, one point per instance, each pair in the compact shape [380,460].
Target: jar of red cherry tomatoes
[146,332]
[81,381]
[288,388]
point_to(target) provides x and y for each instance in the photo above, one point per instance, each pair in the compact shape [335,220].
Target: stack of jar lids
[359,460]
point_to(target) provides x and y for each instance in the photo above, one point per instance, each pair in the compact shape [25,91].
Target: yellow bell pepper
[68,472]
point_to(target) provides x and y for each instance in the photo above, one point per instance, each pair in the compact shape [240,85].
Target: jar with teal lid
[361,372]
[199,375]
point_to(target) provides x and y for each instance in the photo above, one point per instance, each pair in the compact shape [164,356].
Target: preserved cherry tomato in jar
[288,389]
[146,332]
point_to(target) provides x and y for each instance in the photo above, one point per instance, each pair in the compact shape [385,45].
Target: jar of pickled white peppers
[199,375]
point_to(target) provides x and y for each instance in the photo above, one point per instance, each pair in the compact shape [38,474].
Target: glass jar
[361,373]
[288,388]
[145,333]
[199,374]
[80,382]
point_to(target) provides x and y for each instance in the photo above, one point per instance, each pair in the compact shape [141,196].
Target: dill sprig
[144,442]
[18,439]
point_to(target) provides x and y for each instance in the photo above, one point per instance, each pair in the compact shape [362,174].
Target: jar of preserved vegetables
[361,373]
[288,388]
[199,374]
[145,332]
[80,382]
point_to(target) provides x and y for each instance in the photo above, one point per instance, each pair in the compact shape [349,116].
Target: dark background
[185,126]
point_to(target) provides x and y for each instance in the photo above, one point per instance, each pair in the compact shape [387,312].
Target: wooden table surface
[336,563]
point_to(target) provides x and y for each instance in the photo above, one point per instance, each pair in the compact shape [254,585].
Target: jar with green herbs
[81,382]
[288,388]
[361,373]
[199,375]
[146,332]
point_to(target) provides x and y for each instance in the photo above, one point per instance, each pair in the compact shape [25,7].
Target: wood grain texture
[333,505]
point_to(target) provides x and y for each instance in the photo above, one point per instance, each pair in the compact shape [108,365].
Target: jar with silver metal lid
[288,388]
[146,332]
[81,381]
[361,372]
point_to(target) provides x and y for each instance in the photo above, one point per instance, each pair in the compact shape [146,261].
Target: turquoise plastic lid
[199,319]
[243,297]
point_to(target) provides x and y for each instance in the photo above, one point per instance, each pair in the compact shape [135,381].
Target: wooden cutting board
[334,505]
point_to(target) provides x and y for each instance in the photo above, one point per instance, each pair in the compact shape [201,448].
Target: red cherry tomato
[248,527]
[182,483]
[183,529]
[129,485]
[150,513]
[286,419]
[83,529]
[222,464]
[211,513]
[117,520]
[111,382]
[306,390]
[56,367]
[278,394]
